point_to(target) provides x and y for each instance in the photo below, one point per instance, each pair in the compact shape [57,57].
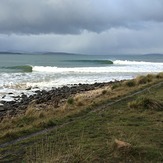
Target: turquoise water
[13,62]
[60,60]
[44,71]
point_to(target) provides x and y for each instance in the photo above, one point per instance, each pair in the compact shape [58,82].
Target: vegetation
[146,103]
[87,128]
[130,83]
[70,101]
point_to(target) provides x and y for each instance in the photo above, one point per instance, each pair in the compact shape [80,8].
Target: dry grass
[47,151]
[146,103]
[130,83]
[38,116]
[160,75]
[91,138]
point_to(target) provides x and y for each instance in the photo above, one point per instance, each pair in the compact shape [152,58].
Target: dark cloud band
[72,17]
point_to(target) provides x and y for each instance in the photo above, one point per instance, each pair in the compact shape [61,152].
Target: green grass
[130,83]
[70,101]
[90,136]
[146,103]
[91,139]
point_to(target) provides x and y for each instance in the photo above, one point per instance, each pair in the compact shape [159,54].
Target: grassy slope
[91,137]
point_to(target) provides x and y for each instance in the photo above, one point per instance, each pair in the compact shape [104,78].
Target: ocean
[26,73]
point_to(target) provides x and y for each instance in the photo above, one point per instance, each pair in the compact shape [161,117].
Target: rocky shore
[53,97]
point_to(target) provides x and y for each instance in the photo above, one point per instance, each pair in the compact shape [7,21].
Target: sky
[82,26]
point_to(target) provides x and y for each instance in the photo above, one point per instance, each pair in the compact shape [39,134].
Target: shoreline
[55,96]
[101,114]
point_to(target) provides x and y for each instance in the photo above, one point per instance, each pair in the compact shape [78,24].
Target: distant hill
[61,53]
[154,54]
[5,52]
[49,53]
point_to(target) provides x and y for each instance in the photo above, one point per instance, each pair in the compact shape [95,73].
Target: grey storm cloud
[76,16]
[82,26]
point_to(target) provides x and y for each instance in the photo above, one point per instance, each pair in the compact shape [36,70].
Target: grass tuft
[145,79]
[146,103]
[70,101]
[115,85]
[141,80]
[9,134]
[130,83]
[160,75]
[104,92]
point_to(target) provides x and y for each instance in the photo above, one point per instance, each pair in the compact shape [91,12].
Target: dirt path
[66,123]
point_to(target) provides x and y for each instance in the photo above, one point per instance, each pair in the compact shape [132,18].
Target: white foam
[75,80]
[120,66]
[71,70]
[127,62]
[46,77]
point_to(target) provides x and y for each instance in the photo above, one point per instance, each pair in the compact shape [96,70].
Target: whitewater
[28,73]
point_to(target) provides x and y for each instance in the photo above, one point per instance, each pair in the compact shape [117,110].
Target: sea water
[26,73]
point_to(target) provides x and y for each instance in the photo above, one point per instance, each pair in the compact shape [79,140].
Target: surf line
[44,131]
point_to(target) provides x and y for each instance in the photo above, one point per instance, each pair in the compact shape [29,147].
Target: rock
[17,97]
[29,88]
[3,96]
[121,144]
[1,107]
[52,97]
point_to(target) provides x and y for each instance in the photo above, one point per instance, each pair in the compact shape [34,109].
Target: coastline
[102,113]
[55,96]
[101,116]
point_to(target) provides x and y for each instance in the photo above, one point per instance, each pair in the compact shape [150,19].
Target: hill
[154,54]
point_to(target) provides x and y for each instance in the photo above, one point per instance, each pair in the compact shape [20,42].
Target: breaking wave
[70,70]
[93,61]
[118,66]
[113,66]
[126,62]
[22,68]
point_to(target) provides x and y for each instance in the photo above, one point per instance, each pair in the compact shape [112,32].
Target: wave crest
[127,62]
[93,61]
[21,68]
